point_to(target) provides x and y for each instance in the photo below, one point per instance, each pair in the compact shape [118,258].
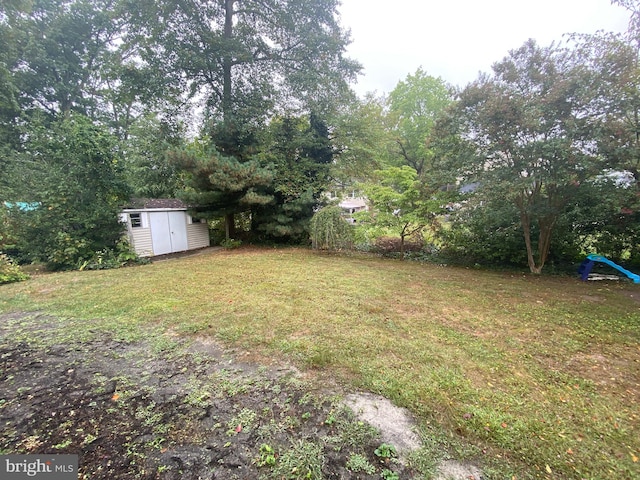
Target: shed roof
[149,203]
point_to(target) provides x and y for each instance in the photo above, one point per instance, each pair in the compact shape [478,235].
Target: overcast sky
[456,39]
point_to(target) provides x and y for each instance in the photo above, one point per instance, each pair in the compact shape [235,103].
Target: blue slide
[587,265]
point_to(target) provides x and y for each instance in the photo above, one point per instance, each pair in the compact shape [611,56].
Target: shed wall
[141,240]
[197,235]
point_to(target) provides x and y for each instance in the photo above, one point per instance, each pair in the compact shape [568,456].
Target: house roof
[353,203]
[149,203]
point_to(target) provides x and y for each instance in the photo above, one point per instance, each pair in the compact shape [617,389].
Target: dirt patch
[396,425]
[169,409]
[610,370]
[452,470]
[186,253]
[633,295]
[593,298]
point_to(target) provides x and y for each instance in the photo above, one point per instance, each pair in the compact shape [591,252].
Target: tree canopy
[75,191]
[146,71]
[244,107]
[254,59]
[414,106]
[397,202]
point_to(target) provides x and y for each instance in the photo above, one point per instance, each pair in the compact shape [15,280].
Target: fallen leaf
[548,468]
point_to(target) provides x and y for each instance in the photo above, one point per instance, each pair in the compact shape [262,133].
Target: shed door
[178,227]
[160,232]
[168,232]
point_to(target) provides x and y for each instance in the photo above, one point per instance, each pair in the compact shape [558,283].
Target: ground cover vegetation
[524,376]
[147,405]
[250,119]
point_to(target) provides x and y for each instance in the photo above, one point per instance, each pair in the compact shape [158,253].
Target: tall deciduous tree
[414,106]
[362,140]
[9,91]
[149,169]
[61,48]
[247,56]
[74,190]
[81,56]
[247,59]
[612,61]
[525,124]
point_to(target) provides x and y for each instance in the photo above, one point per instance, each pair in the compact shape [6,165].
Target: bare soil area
[175,408]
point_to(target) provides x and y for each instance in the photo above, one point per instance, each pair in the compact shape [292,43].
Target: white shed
[161,226]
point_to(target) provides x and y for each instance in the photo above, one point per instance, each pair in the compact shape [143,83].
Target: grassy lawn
[529,377]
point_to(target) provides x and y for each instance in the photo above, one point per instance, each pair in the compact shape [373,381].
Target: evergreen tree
[299,154]
[221,186]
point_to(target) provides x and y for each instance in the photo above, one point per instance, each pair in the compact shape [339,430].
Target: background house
[161,226]
[350,201]
[352,205]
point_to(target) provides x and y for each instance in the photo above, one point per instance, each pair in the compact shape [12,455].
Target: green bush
[329,231]
[9,271]
[120,256]
[76,185]
[230,243]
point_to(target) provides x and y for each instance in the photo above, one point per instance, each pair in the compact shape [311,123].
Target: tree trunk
[403,234]
[229,226]
[525,221]
[227,61]
[227,101]
[544,240]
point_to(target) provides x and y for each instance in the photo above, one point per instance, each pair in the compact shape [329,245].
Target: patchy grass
[534,377]
[135,412]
